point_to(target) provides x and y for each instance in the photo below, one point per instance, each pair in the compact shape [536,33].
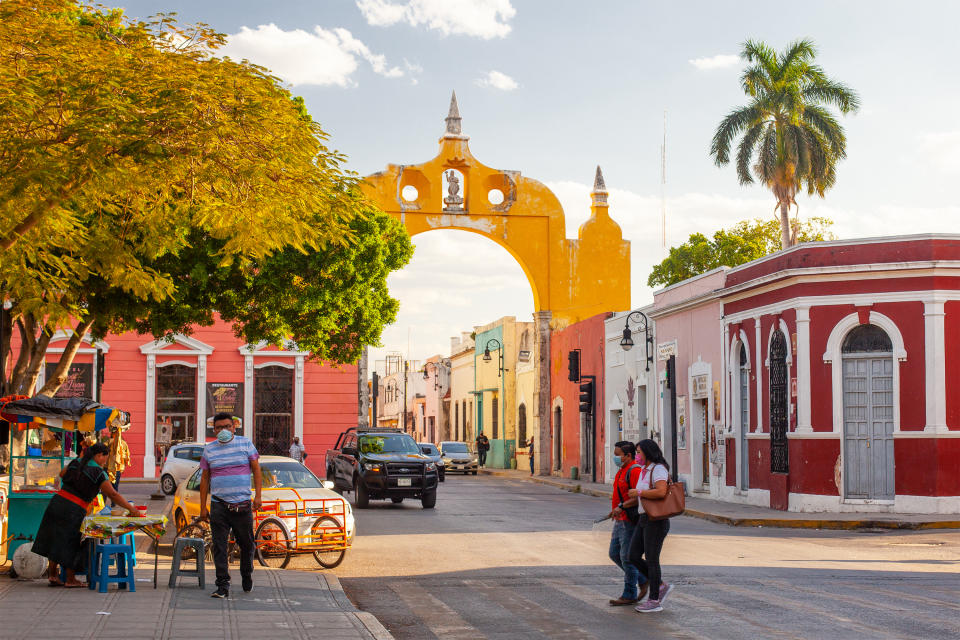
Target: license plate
[404,482]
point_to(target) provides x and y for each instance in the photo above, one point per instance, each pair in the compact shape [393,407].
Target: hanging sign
[224,397]
[666,349]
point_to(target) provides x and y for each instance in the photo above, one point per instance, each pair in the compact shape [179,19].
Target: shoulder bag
[633,513]
[672,504]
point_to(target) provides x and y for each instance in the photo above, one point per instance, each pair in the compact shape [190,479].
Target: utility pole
[374,394]
[406,369]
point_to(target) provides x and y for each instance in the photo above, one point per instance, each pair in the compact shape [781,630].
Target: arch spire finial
[599,193]
[453,117]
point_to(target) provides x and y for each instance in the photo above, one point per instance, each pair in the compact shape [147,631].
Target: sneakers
[664,590]
[221,592]
[649,606]
[248,584]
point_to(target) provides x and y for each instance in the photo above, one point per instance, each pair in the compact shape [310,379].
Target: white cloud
[497,80]
[322,57]
[719,61]
[941,150]
[478,18]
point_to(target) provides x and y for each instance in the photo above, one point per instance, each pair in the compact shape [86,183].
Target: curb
[369,621]
[782,523]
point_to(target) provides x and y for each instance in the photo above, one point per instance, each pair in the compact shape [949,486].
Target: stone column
[934,366]
[543,448]
[149,447]
[803,371]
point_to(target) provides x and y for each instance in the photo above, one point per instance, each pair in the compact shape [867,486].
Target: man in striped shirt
[229,464]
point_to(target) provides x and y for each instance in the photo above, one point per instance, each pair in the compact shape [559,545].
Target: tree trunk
[38,358]
[27,338]
[785,224]
[59,376]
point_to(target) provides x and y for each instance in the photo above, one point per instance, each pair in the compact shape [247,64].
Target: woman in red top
[624,514]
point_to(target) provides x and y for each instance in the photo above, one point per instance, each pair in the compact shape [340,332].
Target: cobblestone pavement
[501,558]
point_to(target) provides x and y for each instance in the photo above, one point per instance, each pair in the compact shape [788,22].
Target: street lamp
[644,325]
[487,357]
[436,372]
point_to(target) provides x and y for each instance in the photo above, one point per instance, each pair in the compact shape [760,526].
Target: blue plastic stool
[126,538]
[100,567]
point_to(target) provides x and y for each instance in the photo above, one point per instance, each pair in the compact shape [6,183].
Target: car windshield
[455,447]
[428,449]
[393,443]
[288,475]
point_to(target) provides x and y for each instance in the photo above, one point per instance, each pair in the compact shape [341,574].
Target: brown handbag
[672,504]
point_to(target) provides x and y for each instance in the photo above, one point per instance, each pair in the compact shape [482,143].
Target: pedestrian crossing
[574,604]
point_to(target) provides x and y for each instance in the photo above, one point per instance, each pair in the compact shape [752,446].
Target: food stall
[51,428]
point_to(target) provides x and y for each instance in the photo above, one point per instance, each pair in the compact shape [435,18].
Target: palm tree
[789,135]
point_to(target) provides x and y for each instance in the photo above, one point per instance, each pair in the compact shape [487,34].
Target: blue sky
[553,88]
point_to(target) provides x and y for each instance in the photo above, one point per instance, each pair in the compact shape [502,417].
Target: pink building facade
[688,328]
[172,391]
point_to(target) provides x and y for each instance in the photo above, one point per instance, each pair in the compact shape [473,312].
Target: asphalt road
[499,558]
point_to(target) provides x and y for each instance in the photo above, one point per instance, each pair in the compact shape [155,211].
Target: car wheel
[167,484]
[361,499]
[396,500]
[429,499]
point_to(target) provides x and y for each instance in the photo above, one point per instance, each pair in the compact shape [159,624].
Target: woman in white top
[649,535]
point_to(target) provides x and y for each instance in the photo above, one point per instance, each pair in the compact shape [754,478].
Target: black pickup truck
[380,464]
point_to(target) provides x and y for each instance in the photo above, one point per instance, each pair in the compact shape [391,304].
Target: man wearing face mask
[625,519]
[229,464]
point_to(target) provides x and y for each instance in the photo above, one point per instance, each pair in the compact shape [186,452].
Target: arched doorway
[868,414]
[779,452]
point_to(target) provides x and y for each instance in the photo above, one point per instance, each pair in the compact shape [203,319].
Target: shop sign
[666,349]
[700,389]
[79,382]
[224,397]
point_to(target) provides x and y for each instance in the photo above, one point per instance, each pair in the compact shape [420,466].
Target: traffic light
[573,365]
[586,397]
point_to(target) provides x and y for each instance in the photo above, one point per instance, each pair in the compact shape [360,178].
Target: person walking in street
[296,451]
[230,463]
[483,445]
[530,445]
[624,514]
[649,535]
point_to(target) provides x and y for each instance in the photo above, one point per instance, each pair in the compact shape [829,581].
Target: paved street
[501,558]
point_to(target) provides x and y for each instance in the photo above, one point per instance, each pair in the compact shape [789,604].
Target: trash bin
[574,473]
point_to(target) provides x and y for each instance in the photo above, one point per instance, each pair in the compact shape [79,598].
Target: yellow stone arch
[571,278]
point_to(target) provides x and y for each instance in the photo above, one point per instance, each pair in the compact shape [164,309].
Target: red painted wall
[329,392]
[812,465]
[730,471]
[952,348]
[588,336]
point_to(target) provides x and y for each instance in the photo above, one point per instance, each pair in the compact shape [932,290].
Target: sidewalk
[740,515]
[284,604]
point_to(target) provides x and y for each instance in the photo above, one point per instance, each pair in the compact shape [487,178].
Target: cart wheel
[332,558]
[233,552]
[273,545]
[196,530]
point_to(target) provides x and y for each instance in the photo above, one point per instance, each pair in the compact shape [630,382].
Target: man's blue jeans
[620,554]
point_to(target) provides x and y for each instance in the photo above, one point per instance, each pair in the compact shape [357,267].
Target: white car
[286,483]
[181,461]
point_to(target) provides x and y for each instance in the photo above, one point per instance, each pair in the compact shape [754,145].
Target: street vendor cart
[34,469]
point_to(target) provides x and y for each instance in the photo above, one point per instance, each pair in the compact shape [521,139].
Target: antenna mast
[663,184]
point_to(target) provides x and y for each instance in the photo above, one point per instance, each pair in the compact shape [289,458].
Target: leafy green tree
[140,122]
[790,137]
[745,241]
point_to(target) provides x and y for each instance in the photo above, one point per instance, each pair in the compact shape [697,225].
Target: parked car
[181,461]
[284,479]
[458,457]
[380,464]
[430,450]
